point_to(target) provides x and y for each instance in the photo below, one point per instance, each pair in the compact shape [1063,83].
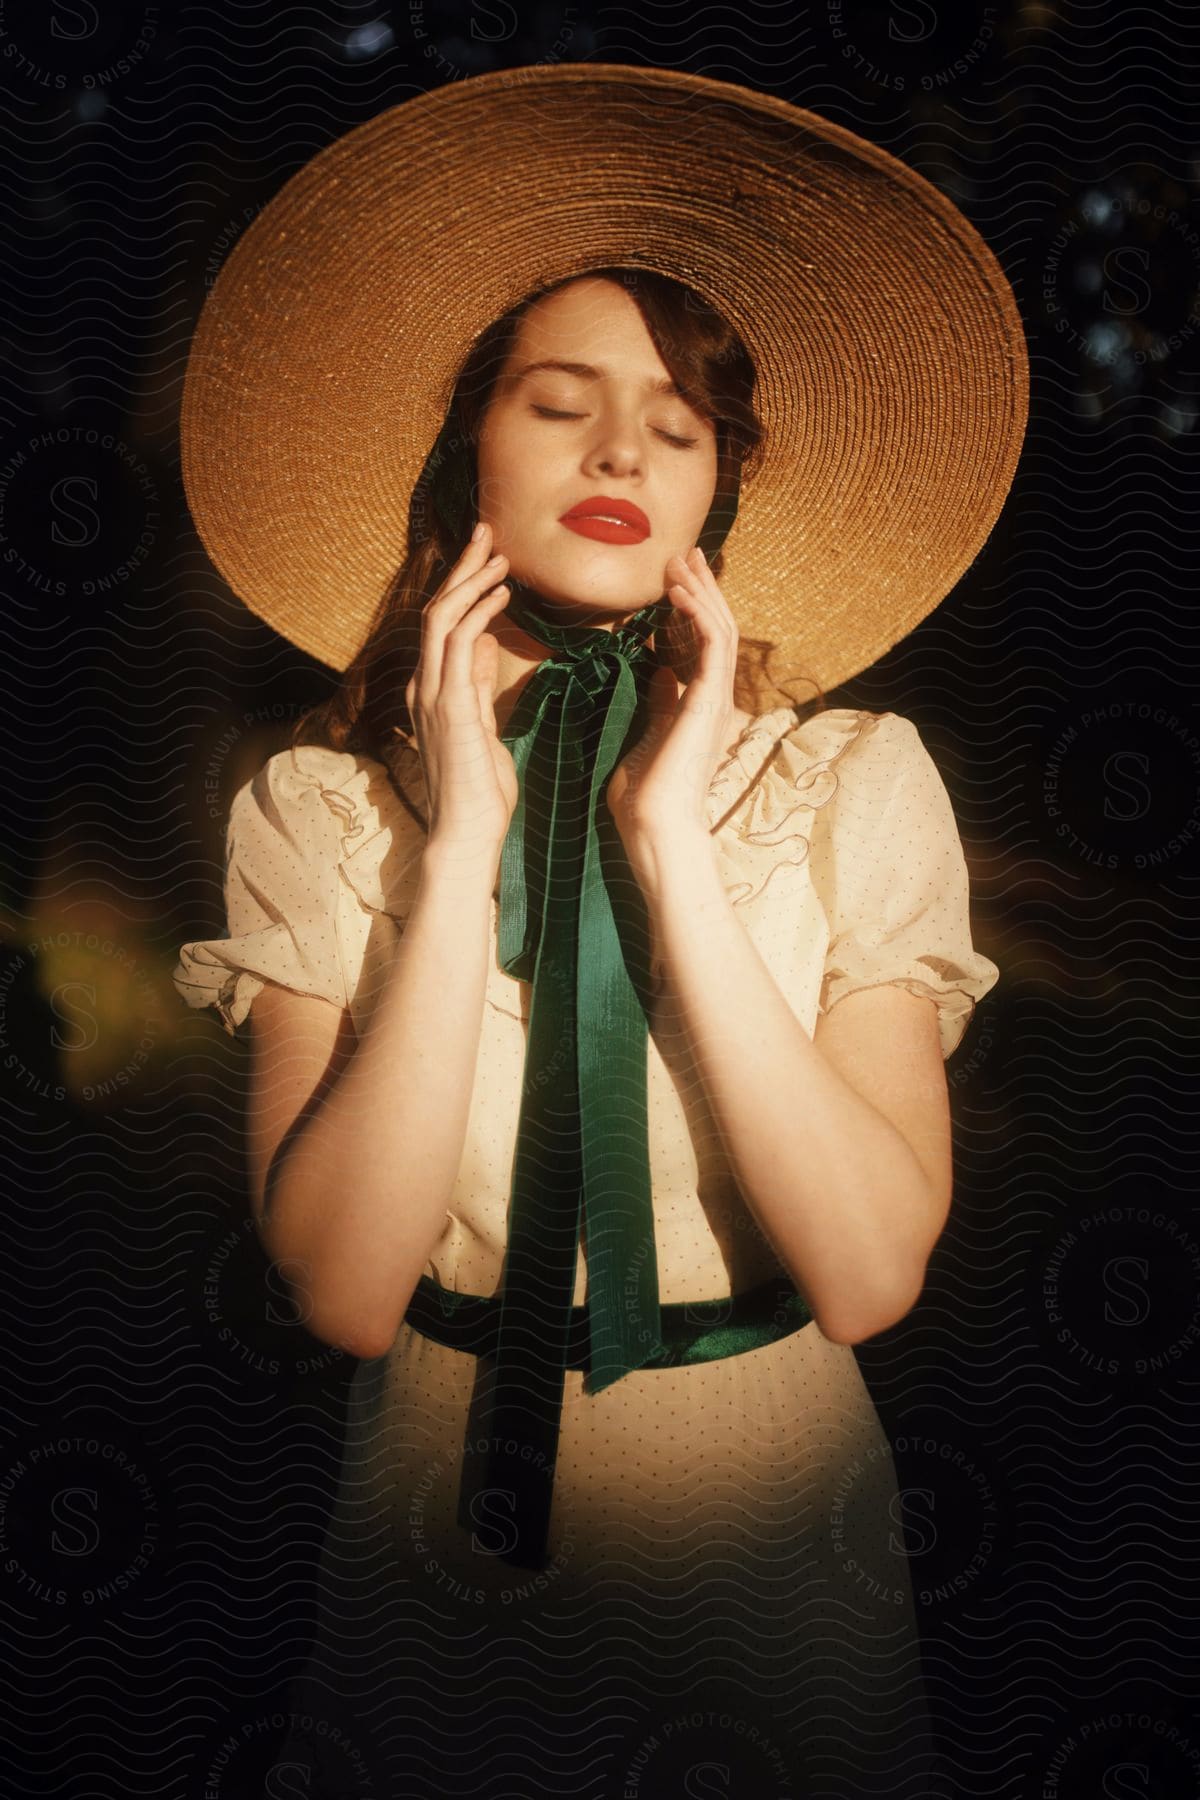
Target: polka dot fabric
[725,1538]
[892,873]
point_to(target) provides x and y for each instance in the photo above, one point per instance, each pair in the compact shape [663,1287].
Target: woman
[664,1554]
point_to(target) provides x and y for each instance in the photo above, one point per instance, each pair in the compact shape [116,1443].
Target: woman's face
[621,440]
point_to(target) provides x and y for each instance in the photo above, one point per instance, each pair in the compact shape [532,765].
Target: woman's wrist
[459,862]
[661,856]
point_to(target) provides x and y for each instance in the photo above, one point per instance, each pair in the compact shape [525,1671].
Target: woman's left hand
[663,782]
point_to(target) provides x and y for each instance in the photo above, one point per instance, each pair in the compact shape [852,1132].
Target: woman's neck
[520,657]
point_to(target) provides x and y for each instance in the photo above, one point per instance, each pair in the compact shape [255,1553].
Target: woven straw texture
[892,367]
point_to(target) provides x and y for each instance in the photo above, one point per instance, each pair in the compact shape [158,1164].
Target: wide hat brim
[892,367]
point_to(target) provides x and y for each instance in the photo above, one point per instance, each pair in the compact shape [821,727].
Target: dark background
[1041,1396]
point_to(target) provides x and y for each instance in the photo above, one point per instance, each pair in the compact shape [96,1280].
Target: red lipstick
[609,521]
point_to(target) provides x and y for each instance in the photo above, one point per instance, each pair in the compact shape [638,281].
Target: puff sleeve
[282,897]
[898,892]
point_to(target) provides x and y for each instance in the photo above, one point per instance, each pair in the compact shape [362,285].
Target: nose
[618,447]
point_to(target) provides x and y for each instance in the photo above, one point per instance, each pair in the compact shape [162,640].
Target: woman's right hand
[470,778]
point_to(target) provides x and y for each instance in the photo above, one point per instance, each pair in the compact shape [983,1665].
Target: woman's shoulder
[355,790]
[866,757]
[854,767]
[844,751]
[799,788]
[342,805]
[864,792]
[847,735]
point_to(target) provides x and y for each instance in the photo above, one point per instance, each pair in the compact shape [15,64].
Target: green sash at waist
[693,1331]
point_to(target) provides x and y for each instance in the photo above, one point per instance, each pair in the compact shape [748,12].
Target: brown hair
[367,713]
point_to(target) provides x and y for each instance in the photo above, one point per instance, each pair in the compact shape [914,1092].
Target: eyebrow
[589,372]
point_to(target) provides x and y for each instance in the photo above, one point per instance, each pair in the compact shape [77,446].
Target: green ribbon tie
[573,924]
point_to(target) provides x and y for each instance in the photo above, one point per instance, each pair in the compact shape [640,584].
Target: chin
[603,589]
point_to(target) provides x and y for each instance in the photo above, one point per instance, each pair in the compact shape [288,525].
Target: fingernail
[477,534]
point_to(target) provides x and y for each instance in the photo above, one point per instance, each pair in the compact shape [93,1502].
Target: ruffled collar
[762,802]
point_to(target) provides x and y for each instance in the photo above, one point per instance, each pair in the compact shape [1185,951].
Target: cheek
[494,459]
[512,473]
[702,474]
[508,497]
[701,491]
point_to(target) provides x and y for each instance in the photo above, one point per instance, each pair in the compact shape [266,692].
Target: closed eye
[548,412]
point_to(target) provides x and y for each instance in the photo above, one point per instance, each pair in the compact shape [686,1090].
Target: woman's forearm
[835,1186]
[361,1194]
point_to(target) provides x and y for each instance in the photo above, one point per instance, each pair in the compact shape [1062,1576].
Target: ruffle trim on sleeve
[914,932]
[382,845]
[381,842]
[954,990]
[766,798]
[218,972]
[278,872]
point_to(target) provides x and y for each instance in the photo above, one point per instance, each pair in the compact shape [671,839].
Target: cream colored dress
[727,1589]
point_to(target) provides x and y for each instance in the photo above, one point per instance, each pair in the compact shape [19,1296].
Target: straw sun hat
[892,368]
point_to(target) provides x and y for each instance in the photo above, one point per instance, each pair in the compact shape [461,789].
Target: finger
[714,641]
[448,607]
[680,569]
[485,674]
[694,591]
[693,574]
[705,583]
[458,662]
[712,586]
[691,598]
[702,573]
[472,557]
[476,556]
[476,549]
[459,585]
[682,640]
[696,574]
[682,582]
[662,697]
